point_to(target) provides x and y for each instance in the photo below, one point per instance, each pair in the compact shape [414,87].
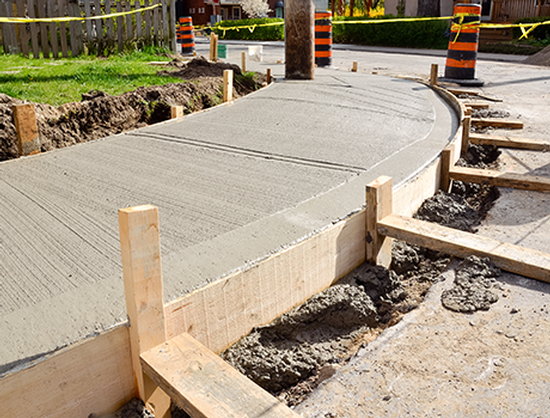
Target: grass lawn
[64,80]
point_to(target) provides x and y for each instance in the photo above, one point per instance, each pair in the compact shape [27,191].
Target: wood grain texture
[509,257]
[205,386]
[499,179]
[92,377]
[509,142]
[446,163]
[227,86]
[379,197]
[497,123]
[24,117]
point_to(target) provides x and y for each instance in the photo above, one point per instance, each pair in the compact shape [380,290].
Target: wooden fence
[100,36]
[511,10]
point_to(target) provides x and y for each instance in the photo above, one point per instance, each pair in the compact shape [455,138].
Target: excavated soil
[540,58]
[99,115]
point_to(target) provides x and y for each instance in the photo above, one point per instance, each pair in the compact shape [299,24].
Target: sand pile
[540,58]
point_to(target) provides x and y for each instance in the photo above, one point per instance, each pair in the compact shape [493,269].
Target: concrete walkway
[233,184]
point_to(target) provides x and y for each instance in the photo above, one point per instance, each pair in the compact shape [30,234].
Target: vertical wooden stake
[213,47]
[446,158]
[466,124]
[176,112]
[354,67]
[27,131]
[268,75]
[141,268]
[243,62]
[433,75]
[379,205]
[227,85]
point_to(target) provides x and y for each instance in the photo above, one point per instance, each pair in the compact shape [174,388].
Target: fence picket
[147,35]
[50,12]
[62,10]
[172,32]
[120,27]
[9,31]
[98,27]
[137,6]
[164,21]
[156,36]
[44,44]
[23,34]
[129,29]
[34,30]
[89,32]
[110,27]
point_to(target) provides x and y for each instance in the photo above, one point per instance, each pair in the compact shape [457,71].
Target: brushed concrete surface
[233,184]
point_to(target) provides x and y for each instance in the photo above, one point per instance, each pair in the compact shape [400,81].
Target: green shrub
[414,34]
[264,33]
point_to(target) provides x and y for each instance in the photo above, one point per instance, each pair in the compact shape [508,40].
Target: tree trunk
[428,8]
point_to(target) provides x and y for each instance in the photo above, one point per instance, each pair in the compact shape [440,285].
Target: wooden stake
[243,62]
[141,267]
[28,141]
[498,123]
[354,67]
[433,75]
[227,85]
[446,162]
[509,257]
[507,142]
[176,112]
[205,386]
[499,179]
[466,124]
[213,47]
[299,39]
[379,205]
[268,76]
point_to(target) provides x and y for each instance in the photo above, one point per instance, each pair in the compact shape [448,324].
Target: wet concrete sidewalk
[233,184]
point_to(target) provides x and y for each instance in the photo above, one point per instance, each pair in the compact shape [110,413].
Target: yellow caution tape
[71,18]
[526,28]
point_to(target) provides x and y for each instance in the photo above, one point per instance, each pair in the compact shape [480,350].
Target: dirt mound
[474,277]
[100,115]
[540,58]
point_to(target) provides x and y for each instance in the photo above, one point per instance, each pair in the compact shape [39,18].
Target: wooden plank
[379,204]
[24,117]
[466,126]
[176,112]
[90,378]
[457,92]
[98,27]
[354,67]
[62,5]
[141,268]
[137,6]
[119,29]
[78,26]
[109,23]
[156,23]
[509,257]
[497,123]
[509,142]
[268,77]
[433,75]
[23,34]
[88,23]
[44,43]
[72,29]
[227,86]
[165,22]
[34,29]
[53,30]
[243,62]
[476,105]
[499,179]
[446,163]
[204,385]
[172,33]
[129,29]
[148,13]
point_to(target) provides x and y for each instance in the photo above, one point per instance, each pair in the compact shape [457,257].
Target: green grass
[61,81]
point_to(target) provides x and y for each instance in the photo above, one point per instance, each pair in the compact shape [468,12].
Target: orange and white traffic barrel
[186,36]
[323,39]
[463,43]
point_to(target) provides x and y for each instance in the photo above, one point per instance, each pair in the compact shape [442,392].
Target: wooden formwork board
[499,179]
[510,142]
[497,123]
